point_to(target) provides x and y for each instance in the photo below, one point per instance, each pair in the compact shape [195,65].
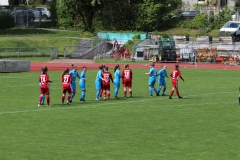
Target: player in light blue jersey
[82,83]
[161,80]
[152,79]
[116,81]
[98,81]
[74,74]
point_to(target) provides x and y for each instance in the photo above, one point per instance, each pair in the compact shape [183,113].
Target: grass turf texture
[205,124]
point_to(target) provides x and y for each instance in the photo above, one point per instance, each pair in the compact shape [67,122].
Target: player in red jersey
[44,86]
[66,85]
[106,77]
[175,74]
[127,80]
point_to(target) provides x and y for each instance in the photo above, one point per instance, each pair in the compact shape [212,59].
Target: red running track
[60,66]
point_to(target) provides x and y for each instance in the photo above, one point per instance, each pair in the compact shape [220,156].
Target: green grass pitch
[205,124]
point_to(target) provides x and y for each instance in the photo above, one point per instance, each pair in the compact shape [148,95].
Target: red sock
[108,95]
[63,97]
[40,100]
[48,100]
[177,93]
[69,96]
[171,93]
[125,93]
[130,92]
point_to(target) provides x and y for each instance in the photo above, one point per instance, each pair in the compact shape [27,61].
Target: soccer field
[204,124]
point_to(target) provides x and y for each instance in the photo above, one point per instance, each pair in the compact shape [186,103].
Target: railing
[28,52]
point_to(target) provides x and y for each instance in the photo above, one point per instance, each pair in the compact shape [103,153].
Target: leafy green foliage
[200,21]
[222,17]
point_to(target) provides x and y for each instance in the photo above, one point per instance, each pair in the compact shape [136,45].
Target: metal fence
[203,51]
[29,52]
[95,45]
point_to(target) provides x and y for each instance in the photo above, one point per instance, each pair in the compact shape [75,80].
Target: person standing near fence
[66,85]
[44,86]
[161,80]
[98,82]
[116,81]
[152,79]
[82,83]
[127,80]
[175,74]
[74,74]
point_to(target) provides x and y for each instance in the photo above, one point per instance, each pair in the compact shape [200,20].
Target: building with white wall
[4,3]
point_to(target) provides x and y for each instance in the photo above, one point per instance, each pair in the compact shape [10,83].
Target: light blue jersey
[152,77]
[98,81]
[82,81]
[161,77]
[74,74]
[117,77]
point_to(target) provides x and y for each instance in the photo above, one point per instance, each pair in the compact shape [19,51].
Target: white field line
[111,104]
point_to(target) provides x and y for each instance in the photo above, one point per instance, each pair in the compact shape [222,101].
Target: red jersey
[44,80]
[175,74]
[127,75]
[66,81]
[107,76]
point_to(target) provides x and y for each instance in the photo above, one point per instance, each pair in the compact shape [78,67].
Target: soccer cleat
[81,99]
[150,95]
[62,103]
[179,97]
[70,101]
[125,97]
[131,96]
[170,97]
[157,93]
[163,94]
[48,105]
[116,97]
[39,105]
[96,99]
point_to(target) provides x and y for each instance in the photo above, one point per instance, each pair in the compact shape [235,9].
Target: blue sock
[150,91]
[116,92]
[73,94]
[43,99]
[159,90]
[164,89]
[83,95]
[155,89]
[97,94]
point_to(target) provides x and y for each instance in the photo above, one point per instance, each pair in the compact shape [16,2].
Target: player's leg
[178,92]
[63,96]
[130,88]
[165,87]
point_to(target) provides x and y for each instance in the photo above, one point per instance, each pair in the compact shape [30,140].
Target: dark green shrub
[6,21]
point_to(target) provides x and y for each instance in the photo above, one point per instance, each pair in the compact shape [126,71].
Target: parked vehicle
[229,27]
[188,15]
[45,12]
[23,16]
[236,34]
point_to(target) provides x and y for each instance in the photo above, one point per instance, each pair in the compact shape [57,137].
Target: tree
[153,14]
[71,12]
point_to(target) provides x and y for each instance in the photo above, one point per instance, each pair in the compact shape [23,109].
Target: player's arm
[180,75]
[166,74]
[111,77]
[48,79]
